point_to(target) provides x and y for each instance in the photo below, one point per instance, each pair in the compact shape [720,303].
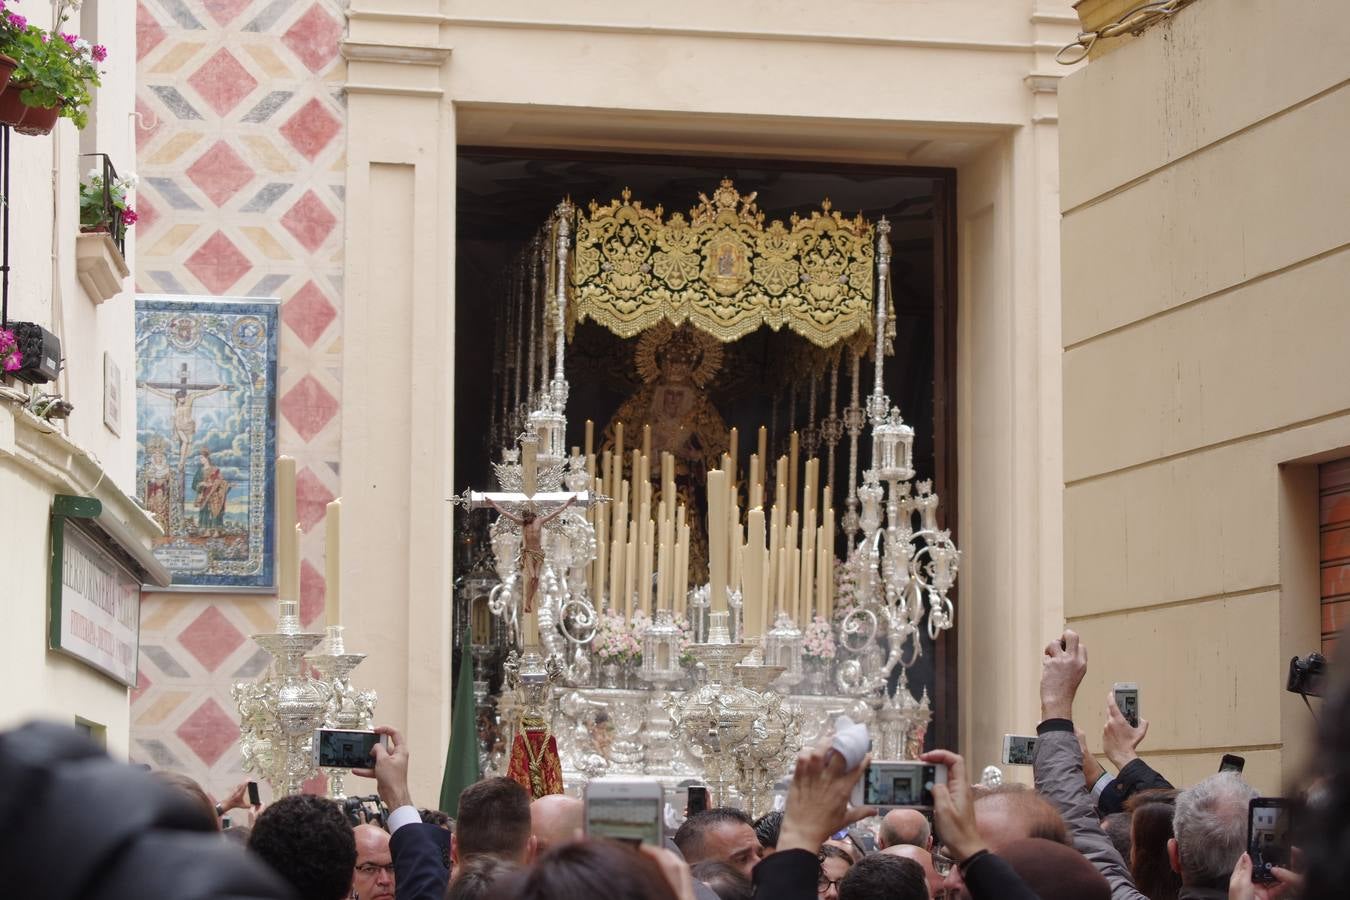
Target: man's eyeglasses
[369,869]
[942,864]
[823,884]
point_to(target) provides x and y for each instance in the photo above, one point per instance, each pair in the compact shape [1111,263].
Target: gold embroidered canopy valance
[723,270]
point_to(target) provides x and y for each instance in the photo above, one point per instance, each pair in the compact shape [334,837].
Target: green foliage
[53,68]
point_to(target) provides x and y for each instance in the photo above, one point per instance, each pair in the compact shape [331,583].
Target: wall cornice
[403,54]
[40,448]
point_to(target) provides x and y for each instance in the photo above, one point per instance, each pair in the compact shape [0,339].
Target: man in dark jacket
[95,829]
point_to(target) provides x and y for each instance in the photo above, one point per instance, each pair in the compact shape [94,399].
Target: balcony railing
[109,214]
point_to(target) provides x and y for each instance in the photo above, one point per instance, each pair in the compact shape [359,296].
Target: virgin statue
[676,366]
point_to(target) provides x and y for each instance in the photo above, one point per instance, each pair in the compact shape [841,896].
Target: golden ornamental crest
[723,270]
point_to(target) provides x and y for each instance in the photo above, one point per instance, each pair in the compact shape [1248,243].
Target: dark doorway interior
[503,196]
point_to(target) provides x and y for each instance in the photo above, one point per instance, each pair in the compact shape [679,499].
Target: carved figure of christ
[530,511]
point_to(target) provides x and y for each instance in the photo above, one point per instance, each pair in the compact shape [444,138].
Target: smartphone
[1127,700]
[336,749]
[698,800]
[889,784]
[253,794]
[625,810]
[1018,749]
[1270,829]
[1231,763]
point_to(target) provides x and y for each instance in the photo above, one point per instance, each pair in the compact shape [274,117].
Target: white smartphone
[889,784]
[337,749]
[625,810]
[1018,749]
[1127,700]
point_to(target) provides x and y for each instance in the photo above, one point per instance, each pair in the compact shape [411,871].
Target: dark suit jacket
[89,828]
[787,875]
[421,855]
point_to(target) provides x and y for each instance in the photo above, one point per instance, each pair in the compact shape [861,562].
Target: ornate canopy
[723,270]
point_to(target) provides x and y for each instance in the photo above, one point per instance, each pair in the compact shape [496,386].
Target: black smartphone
[698,800]
[336,749]
[1270,830]
[253,794]
[1232,763]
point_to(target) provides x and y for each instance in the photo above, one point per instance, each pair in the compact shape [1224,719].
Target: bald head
[555,819]
[905,826]
[925,861]
[1015,812]
[374,879]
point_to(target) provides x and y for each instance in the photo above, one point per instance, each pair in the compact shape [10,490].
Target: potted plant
[53,75]
[104,205]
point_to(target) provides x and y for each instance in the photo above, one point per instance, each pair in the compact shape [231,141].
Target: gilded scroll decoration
[723,270]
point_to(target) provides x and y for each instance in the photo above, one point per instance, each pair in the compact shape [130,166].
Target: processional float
[602,558]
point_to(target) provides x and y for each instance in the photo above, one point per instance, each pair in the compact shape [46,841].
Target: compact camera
[1306,675]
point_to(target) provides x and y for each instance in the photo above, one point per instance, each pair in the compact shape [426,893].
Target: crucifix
[182,394]
[531,511]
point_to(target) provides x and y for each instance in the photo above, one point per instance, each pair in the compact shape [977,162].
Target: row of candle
[780,557]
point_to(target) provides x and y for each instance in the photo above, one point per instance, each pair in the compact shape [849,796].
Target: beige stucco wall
[967,85]
[1206,219]
[44,288]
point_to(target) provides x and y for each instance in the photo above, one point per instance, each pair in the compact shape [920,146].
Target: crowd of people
[92,828]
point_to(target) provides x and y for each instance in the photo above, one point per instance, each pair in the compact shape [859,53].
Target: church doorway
[504,195]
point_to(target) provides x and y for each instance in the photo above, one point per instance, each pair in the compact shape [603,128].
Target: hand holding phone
[253,794]
[338,749]
[1270,830]
[892,784]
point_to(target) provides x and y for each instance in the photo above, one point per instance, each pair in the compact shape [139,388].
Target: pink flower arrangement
[129,216]
[615,641]
[10,357]
[818,639]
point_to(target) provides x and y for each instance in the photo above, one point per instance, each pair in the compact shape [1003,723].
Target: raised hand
[954,806]
[391,769]
[1119,737]
[1062,669]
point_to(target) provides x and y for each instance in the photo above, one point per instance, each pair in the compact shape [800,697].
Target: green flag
[461,759]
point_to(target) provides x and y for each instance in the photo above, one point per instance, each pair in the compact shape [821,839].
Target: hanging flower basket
[51,73]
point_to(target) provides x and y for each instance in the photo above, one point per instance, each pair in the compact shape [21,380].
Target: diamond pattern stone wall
[240,151]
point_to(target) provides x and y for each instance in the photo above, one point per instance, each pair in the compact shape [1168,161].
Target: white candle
[665,545]
[295,568]
[629,575]
[288,550]
[645,567]
[752,573]
[332,568]
[682,566]
[717,538]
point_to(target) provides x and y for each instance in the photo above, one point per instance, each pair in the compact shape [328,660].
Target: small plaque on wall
[112,394]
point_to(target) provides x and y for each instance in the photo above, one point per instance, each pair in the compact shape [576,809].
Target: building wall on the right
[1206,330]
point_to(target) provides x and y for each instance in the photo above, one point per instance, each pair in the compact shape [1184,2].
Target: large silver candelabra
[900,572]
[278,713]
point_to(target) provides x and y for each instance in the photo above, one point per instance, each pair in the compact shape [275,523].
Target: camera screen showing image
[1021,750]
[1269,833]
[899,784]
[625,819]
[1128,701]
[346,749]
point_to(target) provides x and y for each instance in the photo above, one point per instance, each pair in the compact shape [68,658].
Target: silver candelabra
[278,714]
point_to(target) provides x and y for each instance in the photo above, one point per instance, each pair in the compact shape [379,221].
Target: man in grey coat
[1211,818]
